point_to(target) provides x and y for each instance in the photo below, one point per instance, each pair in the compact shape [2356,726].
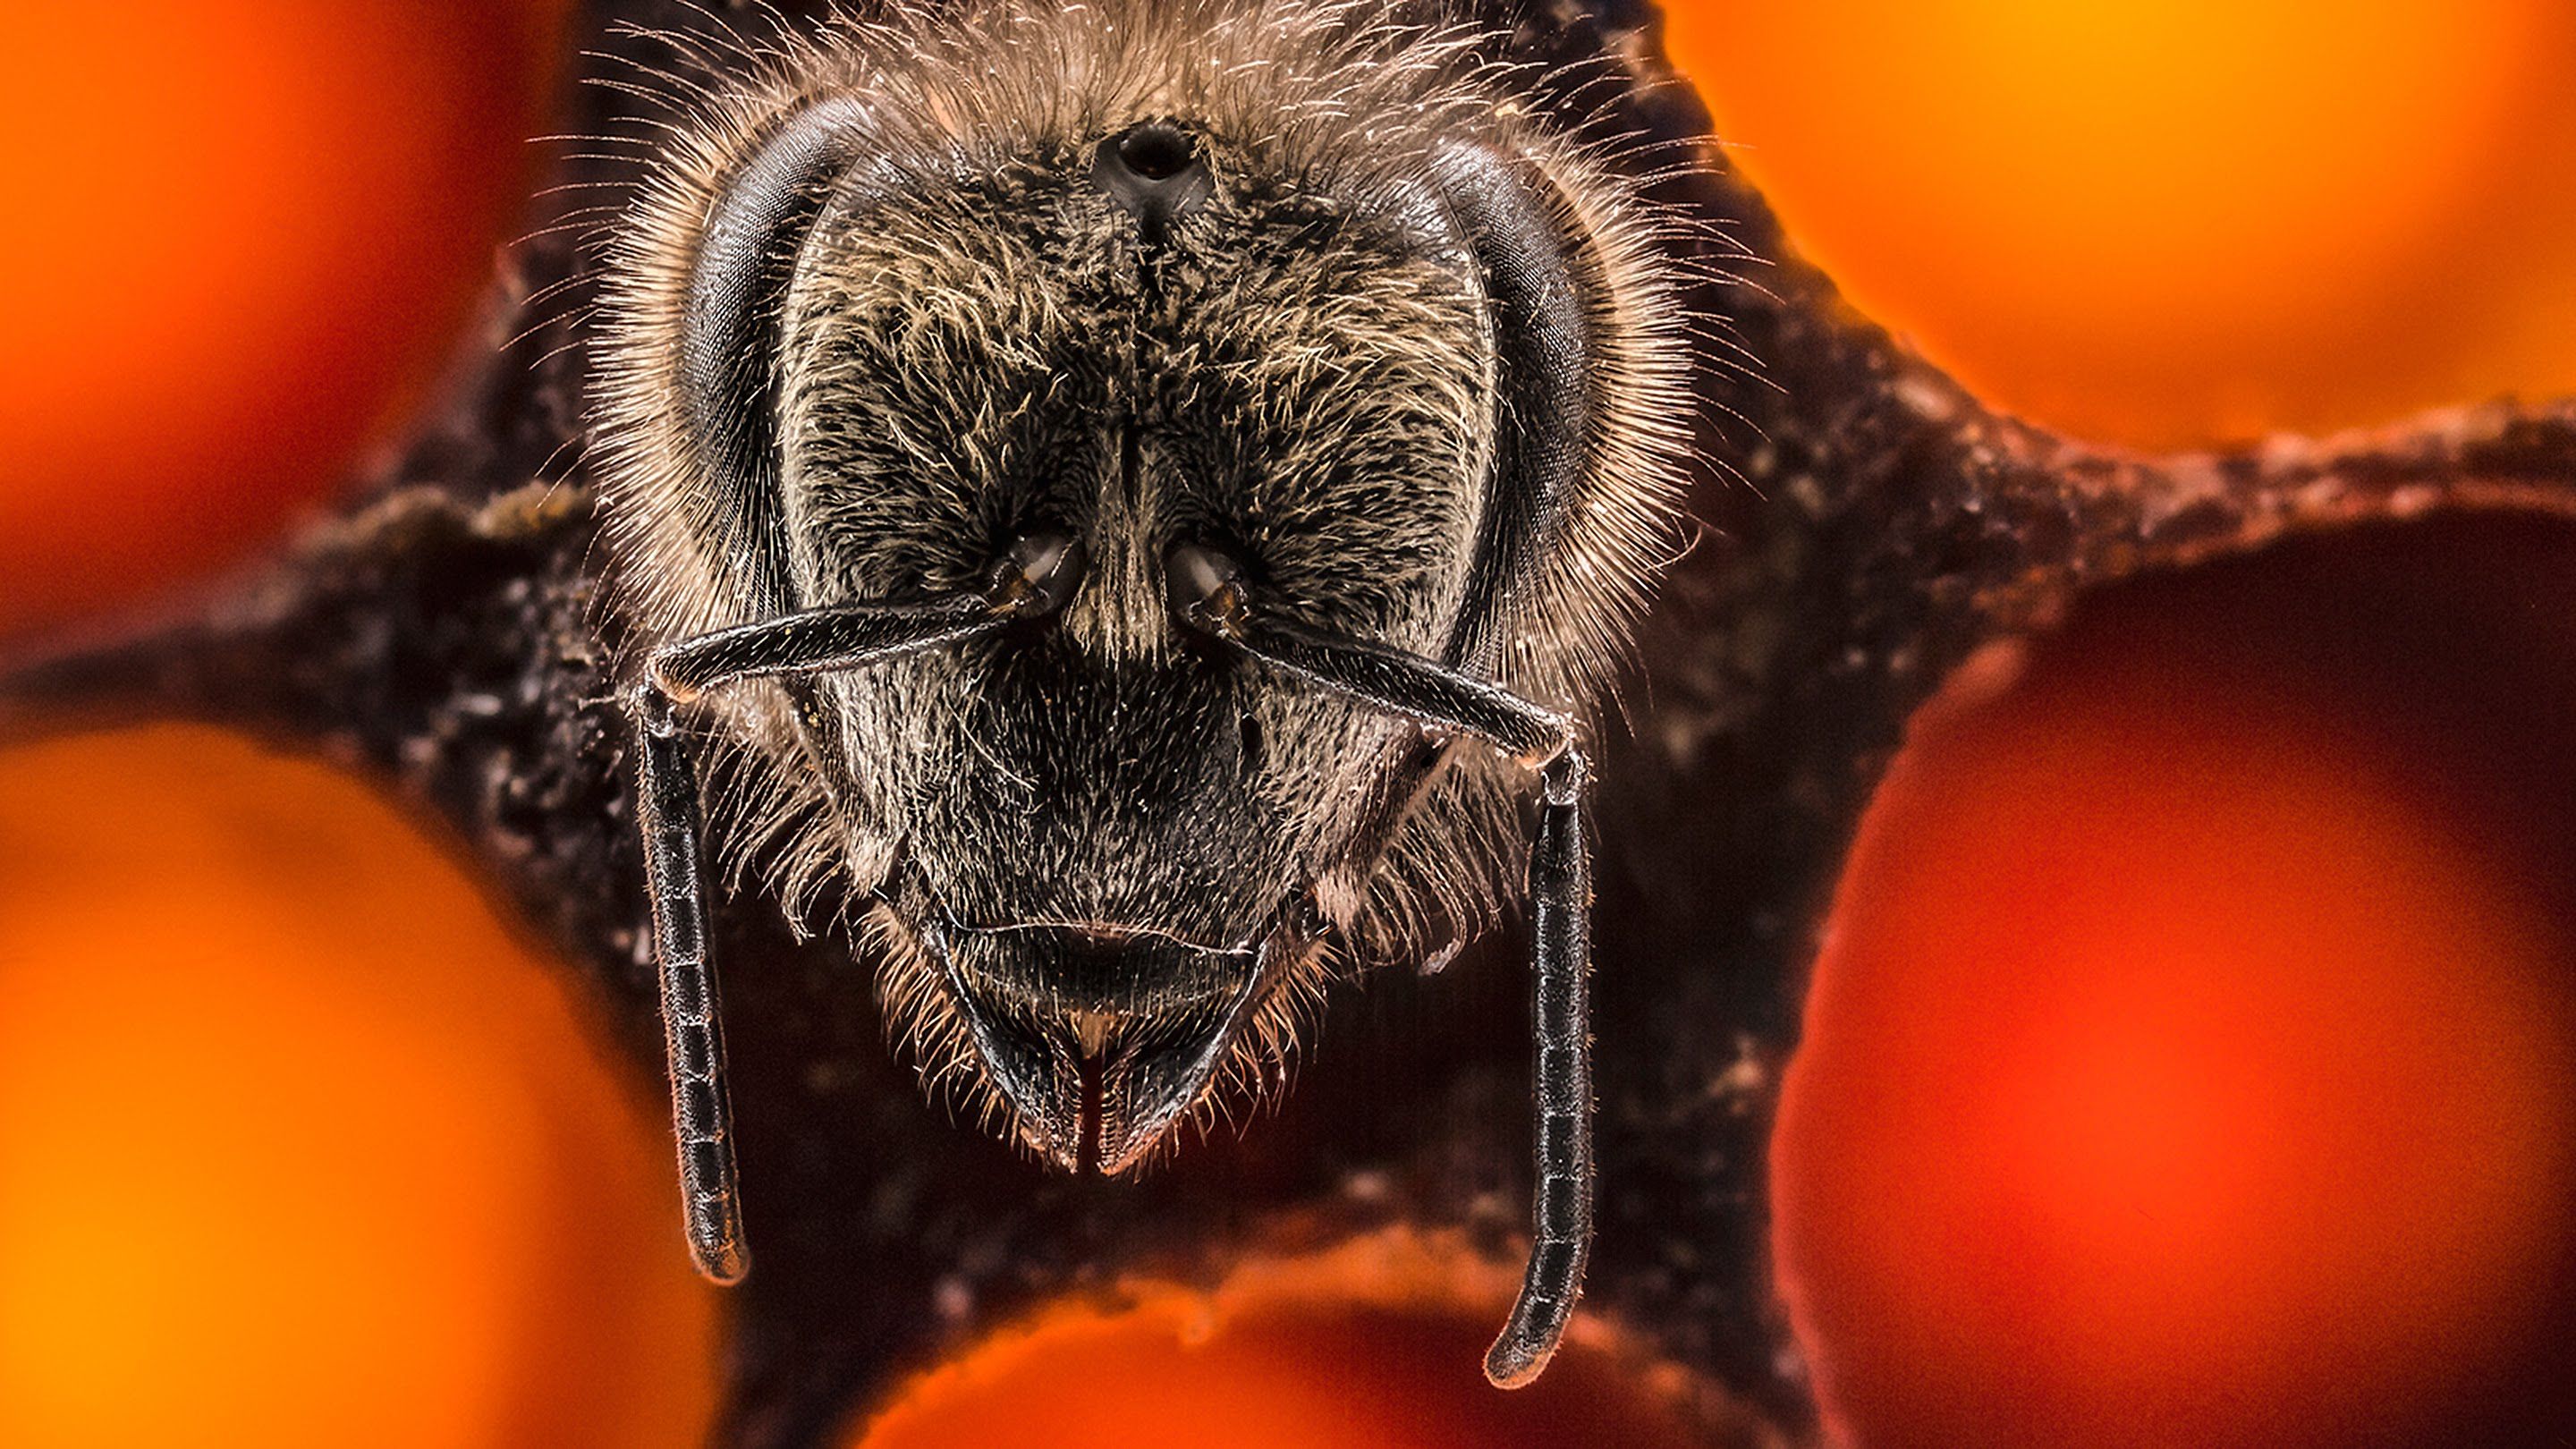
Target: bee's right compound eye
[1206,589]
[1038,575]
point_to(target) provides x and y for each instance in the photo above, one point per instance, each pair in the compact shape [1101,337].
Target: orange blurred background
[2193,1057]
[244,235]
[303,1148]
[2164,222]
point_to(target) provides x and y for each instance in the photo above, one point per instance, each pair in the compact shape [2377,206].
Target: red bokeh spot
[1378,1345]
[242,234]
[2192,1058]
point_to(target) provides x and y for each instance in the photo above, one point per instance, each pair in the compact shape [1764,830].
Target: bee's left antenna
[1560,947]
[1209,594]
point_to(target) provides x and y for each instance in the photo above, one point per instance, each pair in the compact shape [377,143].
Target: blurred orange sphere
[242,236]
[303,1149]
[2166,222]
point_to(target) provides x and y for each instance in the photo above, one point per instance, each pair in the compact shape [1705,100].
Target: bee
[1132,495]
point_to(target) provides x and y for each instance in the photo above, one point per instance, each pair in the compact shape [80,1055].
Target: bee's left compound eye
[1038,574]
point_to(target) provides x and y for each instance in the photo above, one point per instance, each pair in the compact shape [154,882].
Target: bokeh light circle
[2192,1056]
[241,237]
[303,1149]
[2165,222]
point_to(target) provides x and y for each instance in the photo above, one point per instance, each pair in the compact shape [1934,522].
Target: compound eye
[1038,574]
[1206,589]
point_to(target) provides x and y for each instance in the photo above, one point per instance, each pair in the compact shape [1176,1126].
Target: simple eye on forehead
[1156,171]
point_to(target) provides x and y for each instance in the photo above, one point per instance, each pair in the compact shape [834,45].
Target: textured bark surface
[446,634]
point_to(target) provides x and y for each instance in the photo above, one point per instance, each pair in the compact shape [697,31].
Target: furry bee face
[1185,301]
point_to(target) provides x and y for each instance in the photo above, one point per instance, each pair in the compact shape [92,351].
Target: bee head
[1273,303]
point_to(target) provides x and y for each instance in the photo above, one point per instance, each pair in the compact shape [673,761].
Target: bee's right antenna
[1033,579]
[666,791]
[1208,593]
